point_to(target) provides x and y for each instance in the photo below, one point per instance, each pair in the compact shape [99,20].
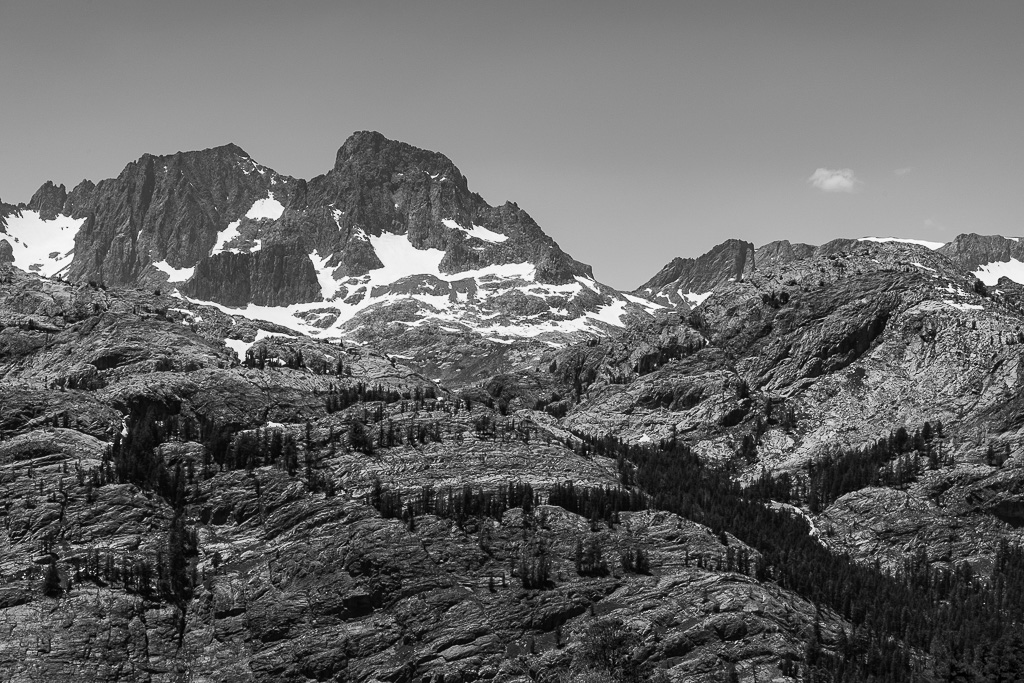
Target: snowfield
[174,274]
[991,272]
[401,260]
[44,247]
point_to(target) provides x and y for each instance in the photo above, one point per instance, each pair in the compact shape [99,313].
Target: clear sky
[632,132]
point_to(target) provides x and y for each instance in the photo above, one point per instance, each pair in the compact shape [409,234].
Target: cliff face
[781,251]
[729,261]
[384,186]
[166,208]
[973,251]
[278,275]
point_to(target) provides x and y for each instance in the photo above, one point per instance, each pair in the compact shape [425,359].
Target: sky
[631,132]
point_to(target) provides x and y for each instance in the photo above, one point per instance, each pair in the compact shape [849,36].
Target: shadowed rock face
[166,208]
[971,251]
[276,276]
[781,251]
[49,200]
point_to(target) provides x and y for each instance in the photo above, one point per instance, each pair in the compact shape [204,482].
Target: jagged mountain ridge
[388,224]
[685,283]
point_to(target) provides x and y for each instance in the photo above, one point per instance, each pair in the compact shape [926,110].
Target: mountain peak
[48,199]
[367,151]
[731,259]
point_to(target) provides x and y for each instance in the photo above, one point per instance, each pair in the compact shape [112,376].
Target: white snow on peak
[644,439]
[174,274]
[324,275]
[401,259]
[923,243]
[265,208]
[477,231]
[588,283]
[611,314]
[44,247]
[694,298]
[261,209]
[646,303]
[224,236]
[991,272]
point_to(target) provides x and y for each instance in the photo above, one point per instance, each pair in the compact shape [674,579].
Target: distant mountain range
[389,245]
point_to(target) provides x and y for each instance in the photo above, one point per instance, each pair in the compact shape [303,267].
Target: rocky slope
[286,571]
[189,493]
[820,353]
[686,282]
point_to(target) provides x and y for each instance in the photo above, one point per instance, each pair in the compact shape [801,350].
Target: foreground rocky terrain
[286,571]
[194,495]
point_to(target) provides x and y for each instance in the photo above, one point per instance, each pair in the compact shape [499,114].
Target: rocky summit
[366,427]
[390,226]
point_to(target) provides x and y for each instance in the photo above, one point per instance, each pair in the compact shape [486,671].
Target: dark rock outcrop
[48,200]
[277,275]
[970,251]
[164,208]
[780,252]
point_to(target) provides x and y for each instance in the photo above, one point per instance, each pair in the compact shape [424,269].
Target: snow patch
[649,305]
[238,346]
[696,299]
[963,307]
[224,236]
[991,272]
[587,282]
[44,247]
[324,275]
[267,208]
[241,347]
[923,243]
[611,314]
[174,274]
[401,259]
[477,231]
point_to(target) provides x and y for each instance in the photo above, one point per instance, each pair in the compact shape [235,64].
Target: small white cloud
[835,180]
[903,171]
